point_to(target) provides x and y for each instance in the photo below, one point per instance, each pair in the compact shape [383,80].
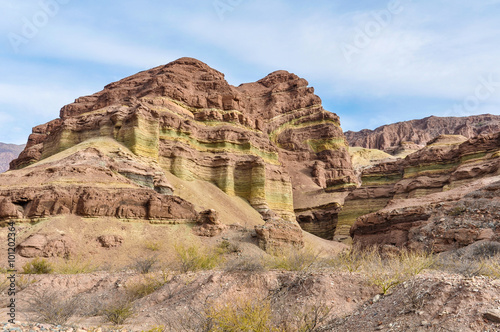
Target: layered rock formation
[411,196]
[92,183]
[402,135]
[269,142]
[8,152]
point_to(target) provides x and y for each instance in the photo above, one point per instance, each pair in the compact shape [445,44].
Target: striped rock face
[439,198]
[269,142]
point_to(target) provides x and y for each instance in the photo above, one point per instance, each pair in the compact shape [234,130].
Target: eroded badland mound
[173,169]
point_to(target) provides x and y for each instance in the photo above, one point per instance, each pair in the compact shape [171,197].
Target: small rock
[376,298]
[493,315]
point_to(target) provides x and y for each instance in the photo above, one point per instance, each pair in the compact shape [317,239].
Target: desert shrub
[194,258]
[74,266]
[349,260]
[143,287]
[293,260]
[153,245]
[245,264]
[241,315]
[38,266]
[486,250]
[492,266]
[227,247]
[23,282]
[118,310]
[393,269]
[144,265]
[51,307]
[413,297]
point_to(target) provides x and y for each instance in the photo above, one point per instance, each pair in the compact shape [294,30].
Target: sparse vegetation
[146,285]
[153,245]
[293,260]
[392,269]
[241,315]
[51,307]
[117,311]
[245,264]
[145,265]
[194,258]
[38,266]
[74,266]
[23,282]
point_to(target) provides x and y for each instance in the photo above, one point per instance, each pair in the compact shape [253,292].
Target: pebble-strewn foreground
[32,327]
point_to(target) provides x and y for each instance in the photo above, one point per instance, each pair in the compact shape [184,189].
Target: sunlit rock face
[269,142]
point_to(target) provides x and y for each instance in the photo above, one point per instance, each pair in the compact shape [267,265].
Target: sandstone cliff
[270,143]
[8,152]
[391,137]
[415,201]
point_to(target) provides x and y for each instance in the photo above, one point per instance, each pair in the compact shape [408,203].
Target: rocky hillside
[440,198]
[270,143]
[8,152]
[390,138]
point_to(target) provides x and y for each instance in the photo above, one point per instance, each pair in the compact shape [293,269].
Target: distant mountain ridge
[389,137]
[9,152]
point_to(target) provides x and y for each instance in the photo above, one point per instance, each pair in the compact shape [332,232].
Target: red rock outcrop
[389,138]
[269,142]
[412,196]
[91,183]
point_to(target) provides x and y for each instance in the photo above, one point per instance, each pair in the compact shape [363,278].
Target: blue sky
[372,62]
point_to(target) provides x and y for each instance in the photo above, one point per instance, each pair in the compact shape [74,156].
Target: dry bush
[245,264]
[492,267]
[392,269]
[195,258]
[118,310]
[74,266]
[23,282]
[241,315]
[413,298]
[293,260]
[52,307]
[153,245]
[38,266]
[144,265]
[146,285]
[349,260]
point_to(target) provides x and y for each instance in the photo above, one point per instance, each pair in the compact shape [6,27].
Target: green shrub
[194,258]
[118,311]
[153,245]
[241,315]
[74,266]
[38,266]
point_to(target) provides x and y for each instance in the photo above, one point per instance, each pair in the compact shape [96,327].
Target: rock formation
[416,202]
[392,138]
[269,142]
[8,152]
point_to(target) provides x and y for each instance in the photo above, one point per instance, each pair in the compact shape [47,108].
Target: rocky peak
[187,80]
